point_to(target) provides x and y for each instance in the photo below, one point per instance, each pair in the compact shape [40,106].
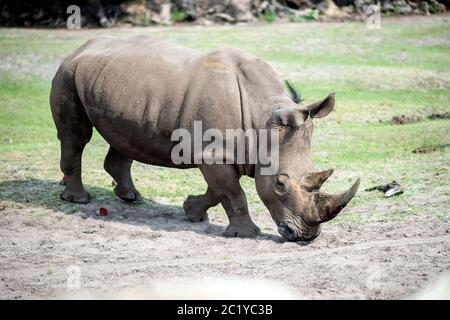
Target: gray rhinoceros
[136,92]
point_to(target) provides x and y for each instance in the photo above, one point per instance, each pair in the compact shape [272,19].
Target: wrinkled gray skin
[137,91]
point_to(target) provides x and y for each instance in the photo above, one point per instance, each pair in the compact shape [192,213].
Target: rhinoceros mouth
[292,235]
[294,228]
[287,232]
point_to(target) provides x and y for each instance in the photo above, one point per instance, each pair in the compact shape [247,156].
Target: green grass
[178,15]
[400,69]
[268,16]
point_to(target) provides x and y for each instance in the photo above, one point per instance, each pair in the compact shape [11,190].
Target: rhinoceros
[137,91]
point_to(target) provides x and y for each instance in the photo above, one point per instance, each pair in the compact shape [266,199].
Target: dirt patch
[425,149]
[404,119]
[385,259]
[439,116]
[430,149]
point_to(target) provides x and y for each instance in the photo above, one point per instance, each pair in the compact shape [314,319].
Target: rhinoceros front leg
[119,167]
[223,181]
[196,206]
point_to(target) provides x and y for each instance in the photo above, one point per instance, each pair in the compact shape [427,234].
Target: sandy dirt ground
[134,249]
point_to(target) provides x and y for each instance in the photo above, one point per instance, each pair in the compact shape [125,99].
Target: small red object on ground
[102,212]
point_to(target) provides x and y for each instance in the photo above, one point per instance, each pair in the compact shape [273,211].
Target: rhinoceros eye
[281,184]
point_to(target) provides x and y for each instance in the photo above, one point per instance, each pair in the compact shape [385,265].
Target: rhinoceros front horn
[330,205]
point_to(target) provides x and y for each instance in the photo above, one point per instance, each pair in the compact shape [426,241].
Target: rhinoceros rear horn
[330,205]
[292,117]
[314,180]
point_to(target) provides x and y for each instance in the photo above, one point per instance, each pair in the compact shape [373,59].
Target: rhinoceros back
[137,91]
[125,77]
[123,86]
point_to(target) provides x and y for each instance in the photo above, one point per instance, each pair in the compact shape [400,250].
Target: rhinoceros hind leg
[119,167]
[71,167]
[196,206]
[74,131]
[223,180]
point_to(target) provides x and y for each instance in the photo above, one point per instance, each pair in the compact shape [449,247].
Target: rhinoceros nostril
[287,232]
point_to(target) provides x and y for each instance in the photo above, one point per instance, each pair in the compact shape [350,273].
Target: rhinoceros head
[293,194]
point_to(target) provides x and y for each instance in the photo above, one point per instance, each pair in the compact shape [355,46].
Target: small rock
[329,9]
[165,13]
[388,7]
[224,17]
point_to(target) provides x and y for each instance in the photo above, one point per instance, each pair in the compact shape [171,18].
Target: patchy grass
[178,15]
[268,16]
[400,69]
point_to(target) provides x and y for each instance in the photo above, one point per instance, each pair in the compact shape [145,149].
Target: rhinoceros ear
[322,108]
[292,117]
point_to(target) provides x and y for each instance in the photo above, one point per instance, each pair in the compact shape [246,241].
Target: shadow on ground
[155,215]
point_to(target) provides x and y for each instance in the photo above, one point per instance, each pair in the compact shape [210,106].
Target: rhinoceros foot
[242,227]
[128,195]
[194,207]
[75,196]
